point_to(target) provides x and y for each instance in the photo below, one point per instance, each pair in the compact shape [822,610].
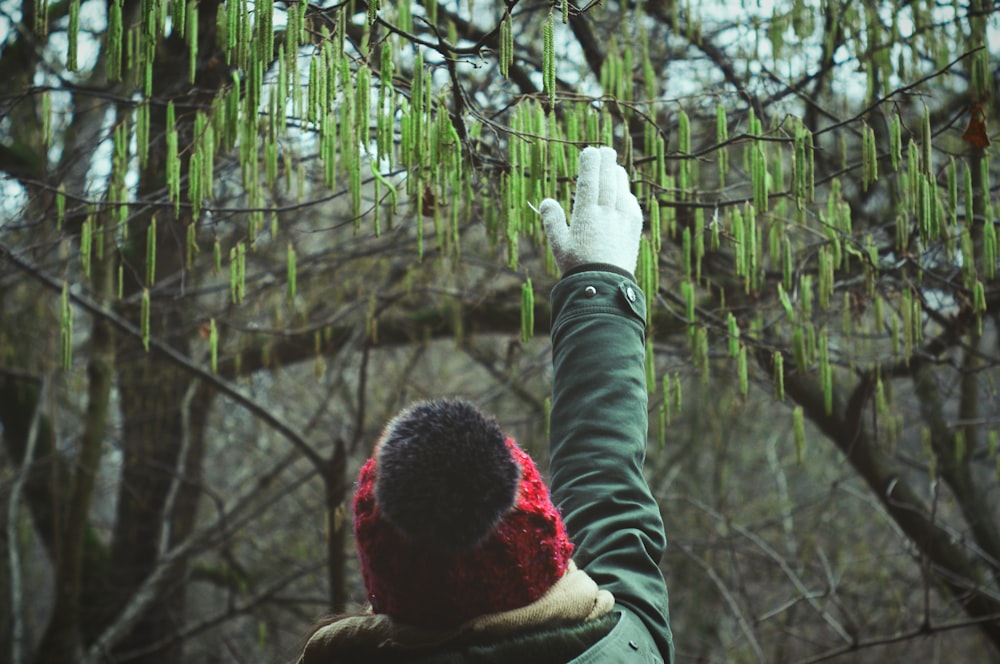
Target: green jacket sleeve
[598,434]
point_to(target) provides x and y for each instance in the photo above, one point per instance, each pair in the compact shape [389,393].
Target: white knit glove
[606,220]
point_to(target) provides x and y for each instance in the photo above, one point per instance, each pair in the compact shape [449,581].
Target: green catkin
[648,271]
[73,33]
[699,241]
[506,46]
[798,424]
[799,168]
[733,336]
[666,401]
[968,257]
[46,113]
[177,17]
[825,275]
[872,154]
[750,239]
[952,193]
[908,330]
[192,39]
[60,205]
[404,16]
[775,235]
[721,137]
[86,242]
[213,345]
[655,236]
[743,370]
[702,353]
[678,397]
[923,207]
[825,371]
[739,244]
[233,277]
[799,349]
[144,318]
[810,167]
[989,250]
[527,311]
[241,262]
[779,376]
[312,101]
[759,176]
[687,291]
[191,246]
[115,30]
[912,174]
[970,200]
[806,296]
[549,59]
[867,158]
[896,141]
[151,252]
[173,160]
[194,183]
[41,26]
[66,329]
[244,38]
[292,273]
[786,303]
[881,398]
[979,304]
[928,165]
[384,115]
[716,227]
[328,148]
[894,334]
[684,147]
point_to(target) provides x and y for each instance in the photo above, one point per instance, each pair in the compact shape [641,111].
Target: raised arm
[599,404]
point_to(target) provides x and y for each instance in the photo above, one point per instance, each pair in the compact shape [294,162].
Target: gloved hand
[606,221]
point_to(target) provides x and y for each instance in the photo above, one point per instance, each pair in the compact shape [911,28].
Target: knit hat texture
[452,519]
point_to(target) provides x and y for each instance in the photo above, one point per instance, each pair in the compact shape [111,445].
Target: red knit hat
[452,519]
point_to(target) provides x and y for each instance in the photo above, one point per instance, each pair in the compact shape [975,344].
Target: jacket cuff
[597,291]
[599,267]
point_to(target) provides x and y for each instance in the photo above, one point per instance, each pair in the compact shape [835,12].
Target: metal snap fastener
[630,294]
[590,291]
[633,645]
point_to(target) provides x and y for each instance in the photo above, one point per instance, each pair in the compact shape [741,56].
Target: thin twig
[19,640]
[155,345]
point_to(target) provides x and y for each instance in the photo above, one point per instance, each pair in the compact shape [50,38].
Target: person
[466,555]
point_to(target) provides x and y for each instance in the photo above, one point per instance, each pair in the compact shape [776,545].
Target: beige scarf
[574,598]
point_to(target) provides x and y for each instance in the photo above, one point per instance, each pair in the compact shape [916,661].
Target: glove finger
[627,202]
[608,194]
[554,223]
[588,180]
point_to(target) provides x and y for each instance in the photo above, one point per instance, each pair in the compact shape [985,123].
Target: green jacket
[598,440]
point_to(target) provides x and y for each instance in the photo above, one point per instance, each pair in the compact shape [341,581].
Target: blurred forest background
[236,236]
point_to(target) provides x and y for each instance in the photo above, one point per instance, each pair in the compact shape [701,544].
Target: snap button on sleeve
[590,291]
[630,294]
